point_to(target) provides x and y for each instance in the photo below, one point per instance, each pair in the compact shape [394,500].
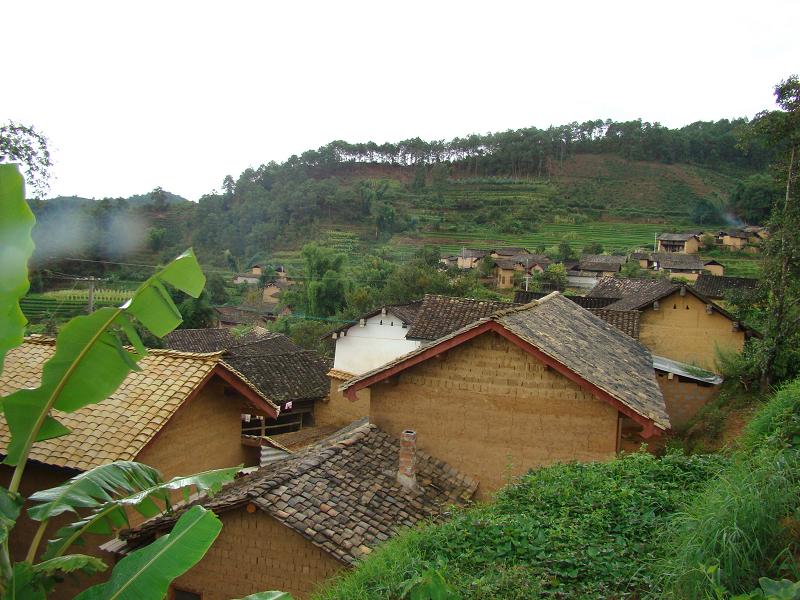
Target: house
[391,331]
[291,377]
[271,292]
[684,243]
[601,264]
[247,278]
[449,262]
[299,521]
[732,239]
[180,413]
[508,252]
[756,234]
[686,388]
[469,258]
[527,386]
[677,321]
[506,268]
[687,266]
[719,287]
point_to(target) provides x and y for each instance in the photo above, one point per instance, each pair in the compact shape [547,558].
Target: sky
[178,94]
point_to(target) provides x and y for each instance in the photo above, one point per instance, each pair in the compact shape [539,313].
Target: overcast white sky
[178,94]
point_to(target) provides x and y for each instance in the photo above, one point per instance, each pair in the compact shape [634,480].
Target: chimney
[407,468]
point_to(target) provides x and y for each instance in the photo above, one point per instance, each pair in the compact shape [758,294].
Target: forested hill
[506,183]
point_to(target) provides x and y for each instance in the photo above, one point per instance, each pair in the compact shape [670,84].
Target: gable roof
[600,263]
[342,494]
[439,315]
[676,260]
[285,377]
[627,321]
[223,338]
[579,345]
[121,426]
[472,253]
[676,237]
[405,312]
[716,286]
[524,297]
[623,287]
[240,315]
[510,251]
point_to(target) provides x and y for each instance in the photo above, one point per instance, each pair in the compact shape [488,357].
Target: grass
[745,523]
[566,531]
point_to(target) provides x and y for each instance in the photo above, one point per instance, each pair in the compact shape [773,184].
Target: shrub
[565,531]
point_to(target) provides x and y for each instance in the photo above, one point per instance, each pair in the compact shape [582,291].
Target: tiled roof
[440,315]
[285,377]
[676,260]
[342,495]
[737,234]
[472,253]
[212,339]
[716,286]
[676,237]
[601,262]
[510,251]
[406,312]
[627,321]
[119,427]
[585,344]
[235,314]
[624,287]
[523,297]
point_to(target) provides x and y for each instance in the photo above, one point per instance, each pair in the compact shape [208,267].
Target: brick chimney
[407,469]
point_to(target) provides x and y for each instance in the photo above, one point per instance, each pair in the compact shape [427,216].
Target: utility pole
[527,279]
[90,308]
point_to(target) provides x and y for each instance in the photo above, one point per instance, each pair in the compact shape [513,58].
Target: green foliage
[753,197]
[23,144]
[155,238]
[564,531]
[148,571]
[16,223]
[268,596]
[744,523]
[101,490]
[90,343]
[593,248]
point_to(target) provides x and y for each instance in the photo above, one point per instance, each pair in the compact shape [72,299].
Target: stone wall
[683,330]
[491,410]
[256,553]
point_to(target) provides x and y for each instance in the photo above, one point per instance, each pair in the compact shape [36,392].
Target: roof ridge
[210,356]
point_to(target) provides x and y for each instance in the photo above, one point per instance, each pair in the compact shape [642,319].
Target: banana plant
[103,343]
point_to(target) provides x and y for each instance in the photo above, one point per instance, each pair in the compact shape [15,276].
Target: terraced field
[613,236]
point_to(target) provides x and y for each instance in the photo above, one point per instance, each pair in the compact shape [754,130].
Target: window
[179,594]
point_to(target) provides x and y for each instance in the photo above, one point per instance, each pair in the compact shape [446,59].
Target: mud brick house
[469,258]
[391,331]
[509,252]
[177,401]
[719,288]
[687,266]
[524,387]
[676,321]
[506,267]
[684,243]
[732,239]
[291,377]
[686,389]
[299,521]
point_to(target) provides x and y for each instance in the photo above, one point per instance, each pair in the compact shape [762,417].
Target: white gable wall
[380,340]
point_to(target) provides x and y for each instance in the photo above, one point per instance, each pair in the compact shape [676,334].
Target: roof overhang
[649,427]
[240,383]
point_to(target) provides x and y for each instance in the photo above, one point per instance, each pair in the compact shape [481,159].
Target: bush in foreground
[565,531]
